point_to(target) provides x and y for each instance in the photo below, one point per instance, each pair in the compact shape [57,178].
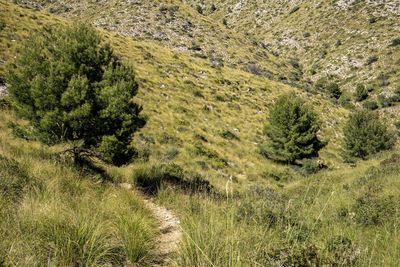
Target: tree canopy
[292,130]
[72,87]
[366,134]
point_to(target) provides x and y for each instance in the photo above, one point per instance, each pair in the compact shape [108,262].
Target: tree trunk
[77,155]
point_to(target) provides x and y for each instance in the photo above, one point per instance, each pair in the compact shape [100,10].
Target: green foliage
[334,90]
[365,134]
[5,103]
[72,87]
[373,210]
[343,251]
[292,131]
[151,177]
[370,104]
[361,93]
[345,101]
[310,166]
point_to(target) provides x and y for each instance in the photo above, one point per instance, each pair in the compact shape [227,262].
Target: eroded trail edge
[170,233]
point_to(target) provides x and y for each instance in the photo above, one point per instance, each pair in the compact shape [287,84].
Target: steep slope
[54,213]
[206,119]
[210,121]
[178,26]
[345,41]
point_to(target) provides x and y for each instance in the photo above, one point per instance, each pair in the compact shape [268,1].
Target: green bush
[334,90]
[361,93]
[366,134]
[151,177]
[5,103]
[72,87]
[384,101]
[342,251]
[345,101]
[370,104]
[292,130]
[310,166]
[373,210]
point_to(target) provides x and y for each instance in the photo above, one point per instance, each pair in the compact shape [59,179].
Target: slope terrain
[205,125]
[178,26]
[202,117]
[349,42]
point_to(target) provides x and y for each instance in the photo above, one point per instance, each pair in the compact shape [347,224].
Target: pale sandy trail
[170,233]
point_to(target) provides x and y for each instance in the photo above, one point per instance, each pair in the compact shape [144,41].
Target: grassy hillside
[299,42]
[347,41]
[51,212]
[204,118]
[203,121]
[178,26]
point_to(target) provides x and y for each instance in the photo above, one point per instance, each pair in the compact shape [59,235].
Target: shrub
[227,134]
[292,131]
[151,177]
[343,252]
[294,255]
[397,125]
[373,210]
[5,103]
[345,101]
[310,166]
[20,131]
[334,90]
[383,80]
[199,9]
[372,59]
[370,104]
[395,42]
[365,134]
[73,88]
[294,9]
[384,101]
[361,93]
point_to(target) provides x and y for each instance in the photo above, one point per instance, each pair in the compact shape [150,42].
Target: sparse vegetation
[197,153]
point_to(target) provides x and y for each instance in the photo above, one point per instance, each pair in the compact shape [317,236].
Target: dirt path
[170,234]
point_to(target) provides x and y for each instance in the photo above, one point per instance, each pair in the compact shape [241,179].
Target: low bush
[361,93]
[310,166]
[342,251]
[371,105]
[372,210]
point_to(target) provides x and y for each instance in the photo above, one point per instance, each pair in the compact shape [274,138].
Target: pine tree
[292,130]
[366,134]
[73,88]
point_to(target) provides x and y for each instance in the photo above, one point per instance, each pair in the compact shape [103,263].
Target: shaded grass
[52,213]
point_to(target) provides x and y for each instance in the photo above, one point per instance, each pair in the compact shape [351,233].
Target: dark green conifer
[366,134]
[292,130]
[73,88]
